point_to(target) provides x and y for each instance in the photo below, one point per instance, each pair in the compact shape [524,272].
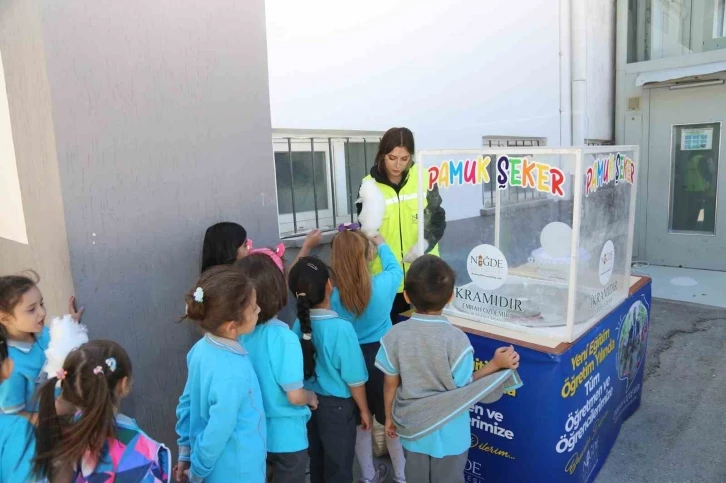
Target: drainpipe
[566,72]
[579,72]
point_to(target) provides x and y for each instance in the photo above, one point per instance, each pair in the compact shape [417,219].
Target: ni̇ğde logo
[487,267]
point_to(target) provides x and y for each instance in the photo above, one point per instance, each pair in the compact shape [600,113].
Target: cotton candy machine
[541,240]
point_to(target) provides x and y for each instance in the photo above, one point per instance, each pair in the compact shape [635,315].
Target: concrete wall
[21,47]
[160,120]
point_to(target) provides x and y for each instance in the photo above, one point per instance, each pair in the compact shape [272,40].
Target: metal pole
[292,186]
[347,173]
[332,182]
[365,157]
[315,192]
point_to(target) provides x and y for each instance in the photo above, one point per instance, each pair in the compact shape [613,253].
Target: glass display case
[540,238]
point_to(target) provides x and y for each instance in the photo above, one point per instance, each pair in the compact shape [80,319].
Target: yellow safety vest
[694,180]
[400,221]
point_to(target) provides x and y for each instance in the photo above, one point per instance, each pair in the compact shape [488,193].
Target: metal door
[686,178]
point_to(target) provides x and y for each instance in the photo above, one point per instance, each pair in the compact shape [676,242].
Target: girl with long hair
[365,300]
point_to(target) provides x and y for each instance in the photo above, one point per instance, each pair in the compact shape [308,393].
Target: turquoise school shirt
[17,448]
[16,394]
[339,364]
[277,357]
[454,437]
[375,321]
[220,417]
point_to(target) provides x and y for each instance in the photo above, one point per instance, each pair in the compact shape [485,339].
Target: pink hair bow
[275,255]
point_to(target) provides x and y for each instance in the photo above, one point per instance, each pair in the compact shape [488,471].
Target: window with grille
[317,176]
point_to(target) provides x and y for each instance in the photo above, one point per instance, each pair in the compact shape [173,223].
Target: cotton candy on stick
[374,207]
[65,335]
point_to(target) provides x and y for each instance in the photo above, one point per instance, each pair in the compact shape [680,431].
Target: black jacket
[434,214]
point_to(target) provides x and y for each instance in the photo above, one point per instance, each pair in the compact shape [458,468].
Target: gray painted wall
[162,126]
[21,46]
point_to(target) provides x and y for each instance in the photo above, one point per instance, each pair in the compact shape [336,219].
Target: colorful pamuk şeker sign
[611,167]
[516,172]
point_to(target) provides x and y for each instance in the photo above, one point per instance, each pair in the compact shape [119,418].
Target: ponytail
[48,434]
[88,381]
[308,280]
[306,327]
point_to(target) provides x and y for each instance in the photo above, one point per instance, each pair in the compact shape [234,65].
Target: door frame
[640,249]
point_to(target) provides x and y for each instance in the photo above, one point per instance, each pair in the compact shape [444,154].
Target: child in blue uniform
[278,361]
[220,416]
[22,321]
[429,367]
[334,369]
[98,444]
[366,302]
[17,440]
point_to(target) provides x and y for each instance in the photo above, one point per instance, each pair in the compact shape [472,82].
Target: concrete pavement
[679,432]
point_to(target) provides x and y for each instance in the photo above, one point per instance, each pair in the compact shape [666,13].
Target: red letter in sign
[433,176]
[557,179]
[588,180]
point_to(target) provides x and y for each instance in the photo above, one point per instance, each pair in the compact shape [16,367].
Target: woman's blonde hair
[350,266]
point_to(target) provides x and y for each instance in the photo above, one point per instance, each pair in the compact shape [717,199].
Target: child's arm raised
[392,271]
[312,240]
[76,314]
[504,358]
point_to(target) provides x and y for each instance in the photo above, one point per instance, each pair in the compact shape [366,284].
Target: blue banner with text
[562,423]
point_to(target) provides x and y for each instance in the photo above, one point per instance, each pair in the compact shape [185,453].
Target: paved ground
[679,433]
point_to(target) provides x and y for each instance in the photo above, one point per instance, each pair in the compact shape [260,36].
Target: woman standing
[396,176]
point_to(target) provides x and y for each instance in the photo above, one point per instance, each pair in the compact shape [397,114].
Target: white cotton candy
[374,207]
[65,335]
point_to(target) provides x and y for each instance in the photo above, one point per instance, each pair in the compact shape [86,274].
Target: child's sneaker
[381,474]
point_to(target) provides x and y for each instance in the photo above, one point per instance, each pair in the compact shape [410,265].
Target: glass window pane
[303,184]
[694,154]
[719,19]
[659,29]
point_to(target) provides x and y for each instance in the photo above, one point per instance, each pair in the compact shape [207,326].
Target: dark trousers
[331,436]
[374,386]
[287,467]
[399,306]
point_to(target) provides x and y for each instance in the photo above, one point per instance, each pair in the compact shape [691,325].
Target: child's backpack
[130,457]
